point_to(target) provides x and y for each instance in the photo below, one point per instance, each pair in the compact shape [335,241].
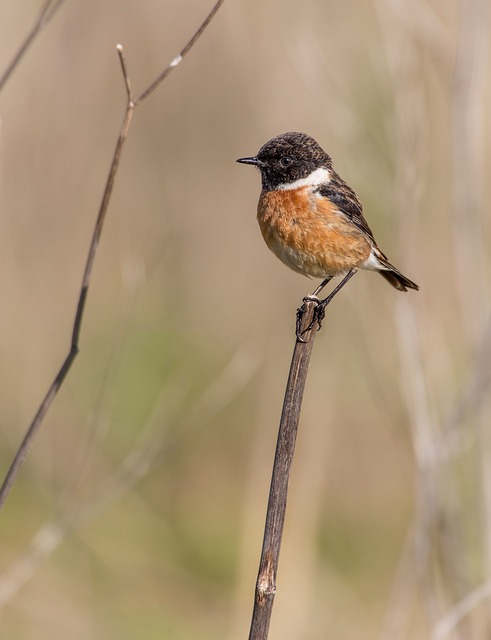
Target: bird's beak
[255,161]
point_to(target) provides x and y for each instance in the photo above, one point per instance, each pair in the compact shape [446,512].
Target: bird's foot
[301,310]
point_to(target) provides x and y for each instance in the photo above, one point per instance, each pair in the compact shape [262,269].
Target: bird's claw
[318,316]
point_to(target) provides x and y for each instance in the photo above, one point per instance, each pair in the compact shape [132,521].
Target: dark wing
[346,200]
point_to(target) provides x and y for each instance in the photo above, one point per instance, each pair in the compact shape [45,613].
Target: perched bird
[312,220]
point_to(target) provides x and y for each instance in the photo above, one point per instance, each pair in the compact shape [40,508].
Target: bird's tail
[392,275]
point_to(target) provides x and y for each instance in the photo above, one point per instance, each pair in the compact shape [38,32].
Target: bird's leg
[313,297]
[320,310]
[319,288]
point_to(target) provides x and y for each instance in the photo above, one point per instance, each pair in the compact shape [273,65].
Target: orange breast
[309,234]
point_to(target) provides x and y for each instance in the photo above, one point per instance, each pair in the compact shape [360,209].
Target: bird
[312,220]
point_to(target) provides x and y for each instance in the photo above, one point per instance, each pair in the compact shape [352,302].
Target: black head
[287,158]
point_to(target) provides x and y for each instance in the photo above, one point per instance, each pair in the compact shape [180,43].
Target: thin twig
[77,325]
[48,10]
[275,516]
[94,243]
[179,58]
[126,76]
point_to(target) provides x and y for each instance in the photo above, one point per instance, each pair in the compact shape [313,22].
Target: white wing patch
[372,263]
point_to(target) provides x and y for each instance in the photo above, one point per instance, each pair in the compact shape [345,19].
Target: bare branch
[48,10]
[129,92]
[275,516]
[94,243]
[179,58]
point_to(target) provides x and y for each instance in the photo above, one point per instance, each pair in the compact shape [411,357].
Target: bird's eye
[286,161]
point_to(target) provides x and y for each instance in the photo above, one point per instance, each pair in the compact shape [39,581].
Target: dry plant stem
[275,517]
[77,325]
[178,59]
[48,10]
[74,348]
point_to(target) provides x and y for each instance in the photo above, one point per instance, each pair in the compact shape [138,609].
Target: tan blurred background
[139,512]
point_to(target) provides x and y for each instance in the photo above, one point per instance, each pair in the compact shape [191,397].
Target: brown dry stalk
[48,10]
[275,516]
[94,243]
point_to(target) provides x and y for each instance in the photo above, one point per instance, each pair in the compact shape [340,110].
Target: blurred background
[140,509]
